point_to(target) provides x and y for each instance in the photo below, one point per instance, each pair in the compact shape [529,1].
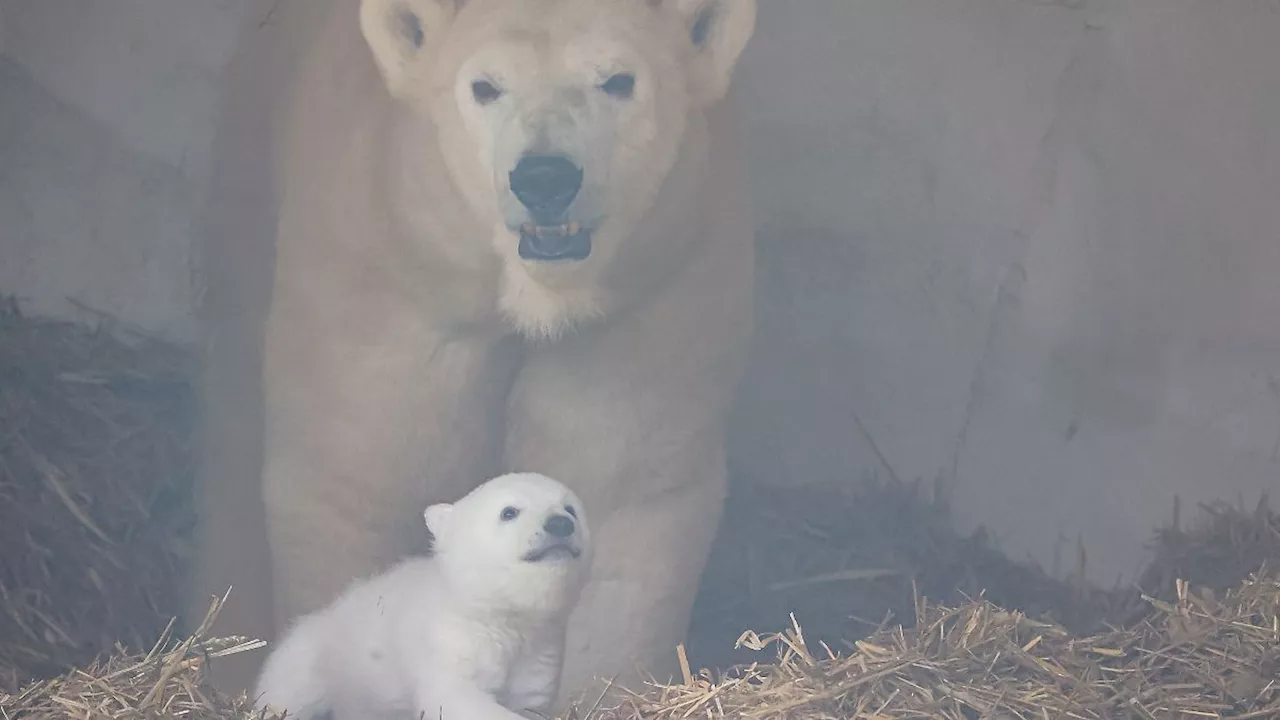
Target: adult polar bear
[448,238]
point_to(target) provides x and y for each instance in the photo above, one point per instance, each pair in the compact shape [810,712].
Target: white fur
[378,341]
[550,61]
[473,631]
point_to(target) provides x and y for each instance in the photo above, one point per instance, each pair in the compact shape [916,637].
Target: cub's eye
[620,86]
[509,513]
[485,92]
[572,513]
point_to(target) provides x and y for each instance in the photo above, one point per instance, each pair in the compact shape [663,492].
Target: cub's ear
[397,32]
[719,31]
[437,518]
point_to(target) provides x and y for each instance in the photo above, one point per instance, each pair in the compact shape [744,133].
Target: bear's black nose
[546,185]
[560,526]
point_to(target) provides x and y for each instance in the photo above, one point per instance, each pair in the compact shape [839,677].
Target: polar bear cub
[473,631]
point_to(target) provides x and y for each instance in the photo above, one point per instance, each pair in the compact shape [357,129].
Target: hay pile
[1198,657]
[846,561]
[901,617]
[165,682]
[95,472]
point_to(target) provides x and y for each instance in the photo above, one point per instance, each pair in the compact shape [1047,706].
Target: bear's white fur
[408,338]
[475,630]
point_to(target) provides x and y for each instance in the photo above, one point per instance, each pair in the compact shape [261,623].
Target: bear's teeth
[567,230]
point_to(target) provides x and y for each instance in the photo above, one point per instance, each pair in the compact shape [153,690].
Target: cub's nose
[546,185]
[560,526]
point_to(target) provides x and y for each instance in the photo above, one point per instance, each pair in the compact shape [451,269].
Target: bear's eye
[509,513]
[572,513]
[485,92]
[620,86]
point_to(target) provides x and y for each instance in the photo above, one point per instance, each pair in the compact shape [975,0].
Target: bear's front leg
[649,465]
[635,609]
[365,427]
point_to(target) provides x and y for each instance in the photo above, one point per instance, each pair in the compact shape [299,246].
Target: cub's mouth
[554,243]
[560,550]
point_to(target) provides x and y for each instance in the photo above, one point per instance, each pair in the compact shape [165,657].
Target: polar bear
[451,238]
[474,630]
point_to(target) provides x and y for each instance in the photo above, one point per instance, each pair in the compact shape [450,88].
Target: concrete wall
[106,116]
[1033,246]
[1025,247]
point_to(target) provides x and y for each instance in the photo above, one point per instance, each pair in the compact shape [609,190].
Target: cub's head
[559,121]
[519,541]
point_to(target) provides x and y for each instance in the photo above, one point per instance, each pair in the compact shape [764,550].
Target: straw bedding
[95,470]
[883,611]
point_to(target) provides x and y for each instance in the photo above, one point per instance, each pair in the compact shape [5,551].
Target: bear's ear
[397,31]
[719,31]
[437,519]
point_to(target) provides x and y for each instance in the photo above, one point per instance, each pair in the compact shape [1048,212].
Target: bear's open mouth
[546,243]
[554,550]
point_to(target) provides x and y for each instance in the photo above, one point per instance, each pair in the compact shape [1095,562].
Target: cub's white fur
[473,631]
